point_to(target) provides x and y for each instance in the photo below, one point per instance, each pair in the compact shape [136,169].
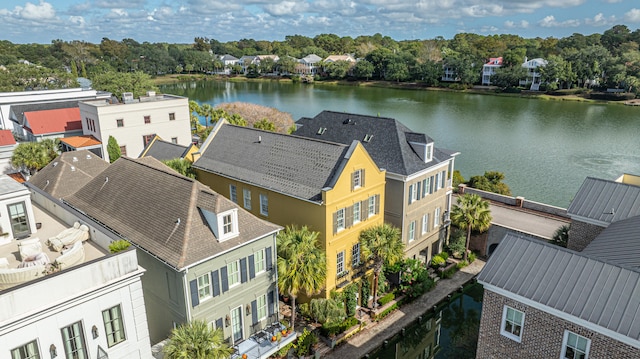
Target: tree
[509,76]
[197,340]
[363,69]
[265,124]
[491,181]
[33,156]
[471,214]
[113,149]
[382,245]
[561,236]
[181,166]
[302,264]
[117,82]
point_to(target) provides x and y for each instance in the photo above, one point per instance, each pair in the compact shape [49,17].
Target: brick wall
[581,234]
[542,334]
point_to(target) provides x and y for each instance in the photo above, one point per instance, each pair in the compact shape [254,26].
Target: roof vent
[75,159]
[321,130]
[348,121]
[367,138]
[88,156]
[259,139]
[55,163]
[73,168]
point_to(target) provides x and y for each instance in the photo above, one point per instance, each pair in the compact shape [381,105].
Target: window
[174,140]
[113,326]
[425,223]
[262,306]
[429,153]
[436,218]
[413,193]
[232,193]
[340,220]
[259,261]
[246,198]
[204,287]
[512,322]
[147,138]
[120,122]
[27,351]
[356,212]
[355,255]
[264,205]
[437,184]
[412,231]
[357,179]
[147,119]
[172,116]
[123,150]
[227,224]
[372,206]
[340,263]
[73,341]
[233,273]
[575,346]
[443,179]
[425,187]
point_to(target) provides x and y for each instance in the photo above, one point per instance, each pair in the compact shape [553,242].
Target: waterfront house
[246,61]
[228,61]
[449,74]
[165,151]
[308,65]
[135,122]
[334,189]
[418,174]
[489,69]
[534,78]
[7,145]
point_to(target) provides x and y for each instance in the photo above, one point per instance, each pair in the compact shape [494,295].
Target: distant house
[165,151]
[449,74]
[246,61]
[418,174]
[534,78]
[84,142]
[52,124]
[335,58]
[7,145]
[308,65]
[228,61]
[490,68]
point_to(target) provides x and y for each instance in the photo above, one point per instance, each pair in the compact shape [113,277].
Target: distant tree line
[610,59]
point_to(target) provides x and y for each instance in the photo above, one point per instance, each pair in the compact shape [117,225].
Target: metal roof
[593,290]
[619,243]
[605,201]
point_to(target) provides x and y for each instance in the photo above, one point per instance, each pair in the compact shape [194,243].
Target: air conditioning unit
[127,97]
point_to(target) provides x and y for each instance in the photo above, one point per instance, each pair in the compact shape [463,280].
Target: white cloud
[600,20]
[522,24]
[43,11]
[77,20]
[483,10]
[286,8]
[550,21]
[632,15]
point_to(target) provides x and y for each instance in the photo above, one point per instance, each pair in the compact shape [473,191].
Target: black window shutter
[215,281]
[243,270]
[270,301]
[219,323]
[267,254]
[252,267]
[254,312]
[224,279]
[194,293]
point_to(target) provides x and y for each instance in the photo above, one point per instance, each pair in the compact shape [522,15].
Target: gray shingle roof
[596,199]
[164,151]
[389,147]
[593,290]
[164,217]
[618,243]
[68,172]
[296,166]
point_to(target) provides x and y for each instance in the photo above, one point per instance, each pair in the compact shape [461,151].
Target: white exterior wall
[5,158]
[18,193]
[38,310]
[131,134]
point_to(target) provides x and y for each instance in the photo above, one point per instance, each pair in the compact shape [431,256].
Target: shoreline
[171,79]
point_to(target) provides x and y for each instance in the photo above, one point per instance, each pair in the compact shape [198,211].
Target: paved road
[526,221]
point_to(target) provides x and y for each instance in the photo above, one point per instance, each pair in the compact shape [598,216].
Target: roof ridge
[278,134]
[188,222]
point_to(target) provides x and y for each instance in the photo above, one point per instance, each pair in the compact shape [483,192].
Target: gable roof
[494,61]
[602,295]
[165,218]
[19,110]
[389,147]
[6,138]
[311,59]
[68,172]
[80,141]
[53,121]
[296,166]
[335,58]
[619,243]
[163,150]
[598,198]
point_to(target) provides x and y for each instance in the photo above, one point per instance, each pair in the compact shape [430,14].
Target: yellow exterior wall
[286,210]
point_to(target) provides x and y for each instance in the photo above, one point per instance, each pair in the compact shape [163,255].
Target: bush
[462,264]
[446,274]
[365,292]
[472,257]
[386,299]
[119,245]
[351,300]
[437,261]
[334,328]
[415,280]
[306,341]
[457,241]
[386,312]
[323,310]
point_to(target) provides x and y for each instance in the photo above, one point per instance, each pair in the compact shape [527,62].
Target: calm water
[545,148]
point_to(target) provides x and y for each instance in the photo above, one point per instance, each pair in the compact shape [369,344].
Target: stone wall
[581,234]
[542,334]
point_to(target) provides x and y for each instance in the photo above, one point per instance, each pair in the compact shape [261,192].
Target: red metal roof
[6,138]
[53,121]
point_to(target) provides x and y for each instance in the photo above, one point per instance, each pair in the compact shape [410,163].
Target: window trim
[357,215]
[223,235]
[235,274]
[80,336]
[264,204]
[425,223]
[147,119]
[233,193]
[565,341]
[436,217]
[340,263]
[371,207]
[120,319]
[503,324]
[246,198]
[260,308]
[340,220]
[172,116]
[119,122]
[355,255]
[357,179]
[263,261]
[411,232]
[24,346]
[206,287]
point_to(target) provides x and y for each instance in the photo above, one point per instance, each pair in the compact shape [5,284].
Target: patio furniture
[39,259]
[13,276]
[29,247]
[71,256]
[69,236]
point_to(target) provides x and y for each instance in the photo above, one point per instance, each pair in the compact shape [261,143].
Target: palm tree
[33,156]
[382,245]
[197,340]
[471,214]
[302,264]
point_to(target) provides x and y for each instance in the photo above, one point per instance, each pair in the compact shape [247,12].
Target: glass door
[236,324]
[19,220]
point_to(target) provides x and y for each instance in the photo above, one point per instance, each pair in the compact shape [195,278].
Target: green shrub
[386,312]
[386,299]
[306,340]
[285,349]
[383,285]
[446,274]
[365,292]
[437,261]
[351,301]
[462,264]
[118,246]
[334,328]
[472,257]
[323,310]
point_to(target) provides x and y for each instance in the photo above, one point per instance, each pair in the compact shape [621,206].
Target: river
[545,148]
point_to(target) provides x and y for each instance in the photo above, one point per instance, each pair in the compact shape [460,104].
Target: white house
[308,65]
[7,145]
[135,122]
[16,213]
[490,68]
[533,75]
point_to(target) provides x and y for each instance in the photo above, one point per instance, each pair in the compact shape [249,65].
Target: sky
[180,21]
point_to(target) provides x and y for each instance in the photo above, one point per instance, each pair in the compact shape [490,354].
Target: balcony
[260,345]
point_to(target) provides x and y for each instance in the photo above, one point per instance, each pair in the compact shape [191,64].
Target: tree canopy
[33,156]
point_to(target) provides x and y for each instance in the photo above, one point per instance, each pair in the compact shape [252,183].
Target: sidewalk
[375,333]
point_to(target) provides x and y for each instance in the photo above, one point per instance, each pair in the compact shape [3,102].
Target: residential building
[83,142]
[308,65]
[165,151]
[534,78]
[334,189]
[336,58]
[418,174]
[246,61]
[489,69]
[135,122]
[449,74]
[206,257]
[52,124]
[228,61]
[7,145]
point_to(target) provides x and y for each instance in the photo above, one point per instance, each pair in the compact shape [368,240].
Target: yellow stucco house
[334,189]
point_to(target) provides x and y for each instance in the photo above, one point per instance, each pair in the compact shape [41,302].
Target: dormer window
[428,155]
[367,138]
[321,130]
[224,225]
[227,224]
